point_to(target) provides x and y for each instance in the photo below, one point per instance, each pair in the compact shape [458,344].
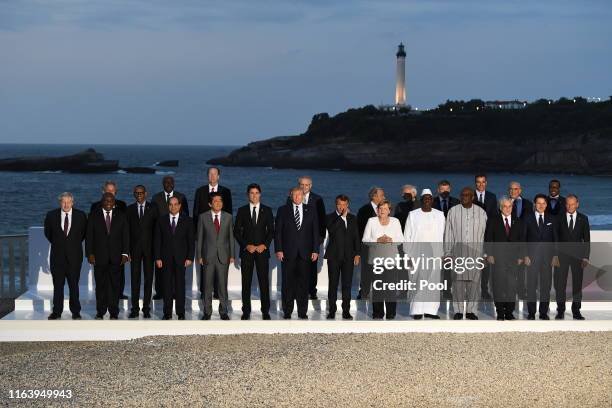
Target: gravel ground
[320,370]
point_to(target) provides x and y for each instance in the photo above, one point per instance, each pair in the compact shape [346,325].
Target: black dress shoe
[287,316]
[531,316]
[331,316]
[167,317]
[544,317]
[54,316]
[225,317]
[133,315]
[76,316]
[303,317]
[114,317]
[146,315]
[216,296]
[430,316]
[99,316]
[245,316]
[509,316]
[205,317]
[471,316]
[313,297]
[123,297]
[417,317]
[458,316]
[377,317]
[560,316]
[347,316]
[158,297]
[266,316]
[578,316]
[390,317]
[500,317]
[181,317]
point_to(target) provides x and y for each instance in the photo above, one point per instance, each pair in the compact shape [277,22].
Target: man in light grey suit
[215,250]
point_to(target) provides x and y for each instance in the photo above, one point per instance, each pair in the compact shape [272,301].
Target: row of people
[162,232]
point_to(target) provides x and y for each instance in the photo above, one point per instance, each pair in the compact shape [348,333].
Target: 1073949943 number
[36,394]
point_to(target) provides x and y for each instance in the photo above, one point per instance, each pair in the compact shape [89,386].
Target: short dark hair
[140,186]
[480,175]
[211,196]
[554,181]
[444,183]
[574,196]
[539,195]
[342,197]
[213,167]
[253,185]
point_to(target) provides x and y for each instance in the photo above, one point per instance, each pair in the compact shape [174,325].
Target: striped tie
[296,216]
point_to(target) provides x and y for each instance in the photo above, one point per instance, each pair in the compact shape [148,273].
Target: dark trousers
[107,288]
[520,283]
[141,262]
[261,262]
[378,309]
[296,277]
[174,284]
[383,299]
[339,270]
[539,276]
[63,272]
[121,279]
[484,280]
[503,279]
[447,275]
[312,284]
[159,282]
[567,262]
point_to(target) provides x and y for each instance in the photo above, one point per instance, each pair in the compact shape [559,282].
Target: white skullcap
[425,192]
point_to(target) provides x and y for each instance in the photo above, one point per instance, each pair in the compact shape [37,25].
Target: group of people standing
[160,240]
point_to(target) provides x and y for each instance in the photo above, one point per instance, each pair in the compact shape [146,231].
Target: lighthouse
[400,80]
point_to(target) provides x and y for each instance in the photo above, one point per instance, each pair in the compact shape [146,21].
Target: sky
[232,72]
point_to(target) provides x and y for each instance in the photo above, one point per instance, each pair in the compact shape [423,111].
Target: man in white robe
[424,237]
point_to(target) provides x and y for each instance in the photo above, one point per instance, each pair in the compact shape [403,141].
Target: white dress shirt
[62,220]
[306,198]
[507,218]
[257,208]
[212,214]
[213,189]
[343,219]
[300,209]
[374,206]
[567,217]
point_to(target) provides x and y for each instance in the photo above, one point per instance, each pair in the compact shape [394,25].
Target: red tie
[66,225]
[217,224]
[507,227]
[108,222]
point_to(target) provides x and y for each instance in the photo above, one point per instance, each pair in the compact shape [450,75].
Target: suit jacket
[452,201]
[576,242]
[403,208]
[527,208]
[261,233]
[292,242]
[66,249]
[159,199]
[174,248]
[559,208]
[490,203]
[107,248]
[200,203]
[505,248]
[142,229]
[541,243]
[119,205]
[211,244]
[315,202]
[344,242]
[363,215]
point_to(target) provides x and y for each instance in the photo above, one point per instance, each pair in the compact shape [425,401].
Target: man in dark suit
[367,211]
[342,255]
[574,252]
[111,187]
[202,204]
[488,202]
[314,202]
[403,208]
[541,238]
[443,201]
[254,231]
[107,247]
[555,202]
[160,200]
[141,216]
[296,241]
[174,247]
[521,208]
[65,229]
[504,246]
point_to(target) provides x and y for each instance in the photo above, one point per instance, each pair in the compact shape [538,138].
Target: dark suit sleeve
[321,218]
[587,238]
[190,241]
[228,200]
[84,227]
[157,240]
[89,237]
[269,228]
[278,231]
[356,239]
[196,207]
[316,235]
[239,230]
[125,236]
[48,226]
[184,206]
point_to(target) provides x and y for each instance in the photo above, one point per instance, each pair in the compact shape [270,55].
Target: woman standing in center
[383,234]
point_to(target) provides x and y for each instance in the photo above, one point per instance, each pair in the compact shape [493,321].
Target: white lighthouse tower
[400,82]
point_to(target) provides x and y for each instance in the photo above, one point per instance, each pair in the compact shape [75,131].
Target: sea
[27,196]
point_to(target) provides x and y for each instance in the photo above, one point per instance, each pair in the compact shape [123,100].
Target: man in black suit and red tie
[142,216]
[574,252]
[65,229]
[342,254]
[174,249]
[254,231]
[296,241]
[488,202]
[107,247]
[504,247]
[201,204]
[367,211]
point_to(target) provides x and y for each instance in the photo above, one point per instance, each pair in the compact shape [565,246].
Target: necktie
[108,222]
[571,224]
[296,216]
[173,224]
[553,203]
[444,207]
[217,223]
[507,226]
[66,225]
[167,197]
[140,211]
[481,198]
[254,216]
[541,222]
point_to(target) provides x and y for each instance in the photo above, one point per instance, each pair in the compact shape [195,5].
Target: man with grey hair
[521,208]
[403,208]
[65,229]
[376,196]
